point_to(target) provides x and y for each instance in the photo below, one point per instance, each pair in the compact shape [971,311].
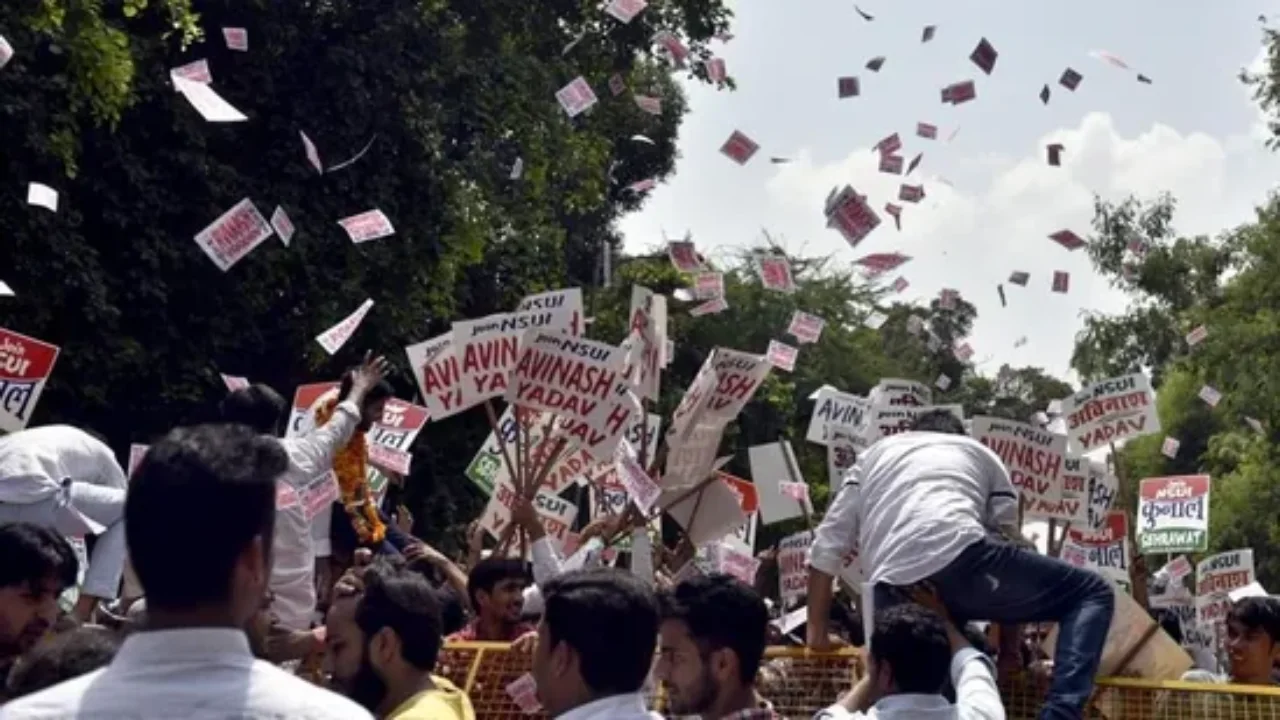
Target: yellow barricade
[800,683]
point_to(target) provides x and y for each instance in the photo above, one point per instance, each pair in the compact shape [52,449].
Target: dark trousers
[1001,582]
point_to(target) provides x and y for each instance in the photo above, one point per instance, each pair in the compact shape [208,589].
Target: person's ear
[724,664]
[884,677]
[564,660]
[384,647]
[256,562]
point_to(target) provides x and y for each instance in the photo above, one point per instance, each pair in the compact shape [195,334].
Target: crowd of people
[208,593]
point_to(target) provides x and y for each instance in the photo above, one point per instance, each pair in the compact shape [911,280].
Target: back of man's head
[257,406]
[198,501]
[610,619]
[402,601]
[62,657]
[34,555]
[721,611]
[486,574]
[911,642]
[939,421]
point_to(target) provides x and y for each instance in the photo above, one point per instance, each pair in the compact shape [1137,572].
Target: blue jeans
[1001,582]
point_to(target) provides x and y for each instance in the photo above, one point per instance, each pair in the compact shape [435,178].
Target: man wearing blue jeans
[921,507]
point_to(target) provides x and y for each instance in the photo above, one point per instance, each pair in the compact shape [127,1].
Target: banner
[1034,457]
[25,367]
[1111,410]
[1173,514]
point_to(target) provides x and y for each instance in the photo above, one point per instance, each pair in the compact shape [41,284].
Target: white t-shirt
[914,502]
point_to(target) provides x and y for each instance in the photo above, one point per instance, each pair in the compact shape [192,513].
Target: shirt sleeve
[311,454]
[1002,496]
[546,561]
[838,531]
[973,677]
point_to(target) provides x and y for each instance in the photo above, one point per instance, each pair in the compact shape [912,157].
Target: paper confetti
[1210,395]
[1019,277]
[847,87]
[42,195]
[1061,281]
[927,131]
[1169,448]
[283,226]
[236,39]
[984,56]
[782,356]
[577,97]
[1070,79]
[739,148]
[368,225]
[1067,239]
[208,103]
[1195,337]
[625,10]
[335,337]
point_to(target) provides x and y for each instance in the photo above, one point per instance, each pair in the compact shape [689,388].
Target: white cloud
[972,236]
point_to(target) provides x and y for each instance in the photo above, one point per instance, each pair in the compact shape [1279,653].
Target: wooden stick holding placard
[502,441]
[1137,564]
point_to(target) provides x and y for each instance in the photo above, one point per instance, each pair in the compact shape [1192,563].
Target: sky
[1195,132]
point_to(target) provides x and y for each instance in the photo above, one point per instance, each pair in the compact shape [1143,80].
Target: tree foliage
[1227,284]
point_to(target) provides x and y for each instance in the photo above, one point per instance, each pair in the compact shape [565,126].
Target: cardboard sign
[1173,514]
[1216,576]
[556,513]
[1157,657]
[1111,410]
[436,369]
[25,367]
[1104,551]
[892,392]
[771,465]
[489,348]
[302,415]
[885,421]
[1034,457]
[724,385]
[793,570]
[834,410]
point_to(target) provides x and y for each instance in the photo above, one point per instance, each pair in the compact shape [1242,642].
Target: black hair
[912,640]
[403,600]
[197,501]
[938,421]
[257,406]
[1169,622]
[453,613]
[487,573]
[34,554]
[62,657]
[1258,612]
[721,611]
[610,618]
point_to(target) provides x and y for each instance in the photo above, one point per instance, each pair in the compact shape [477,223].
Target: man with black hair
[36,566]
[1253,644]
[934,505]
[64,478]
[913,652]
[711,642]
[595,646]
[383,641]
[62,657]
[199,515]
[311,456]
[495,587]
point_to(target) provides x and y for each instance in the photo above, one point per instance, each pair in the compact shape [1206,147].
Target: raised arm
[312,453]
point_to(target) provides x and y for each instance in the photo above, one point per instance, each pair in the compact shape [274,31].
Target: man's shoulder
[61,700]
[293,694]
[1203,676]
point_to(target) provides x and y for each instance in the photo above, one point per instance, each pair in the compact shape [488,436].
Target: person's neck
[584,697]
[495,629]
[402,687]
[164,619]
[735,700]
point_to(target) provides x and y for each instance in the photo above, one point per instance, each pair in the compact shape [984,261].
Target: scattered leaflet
[775,273]
[368,225]
[806,328]
[625,10]
[283,226]
[234,234]
[782,356]
[338,335]
[236,39]
[576,97]
[42,195]
[208,103]
[739,148]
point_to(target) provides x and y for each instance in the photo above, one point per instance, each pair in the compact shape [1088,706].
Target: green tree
[449,94]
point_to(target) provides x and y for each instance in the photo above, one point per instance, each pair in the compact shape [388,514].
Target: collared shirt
[615,707]
[977,697]
[189,674]
[914,502]
[34,462]
[443,702]
[293,552]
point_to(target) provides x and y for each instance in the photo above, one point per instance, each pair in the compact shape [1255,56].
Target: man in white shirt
[199,515]
[912,652]
[310,459]
[922,505]
[64,478]
[595,646]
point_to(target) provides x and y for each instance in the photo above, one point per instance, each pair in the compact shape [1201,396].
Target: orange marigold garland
[353,483]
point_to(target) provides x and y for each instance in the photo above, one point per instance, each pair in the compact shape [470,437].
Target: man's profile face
[27,611]
[347,657]
[683,671]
